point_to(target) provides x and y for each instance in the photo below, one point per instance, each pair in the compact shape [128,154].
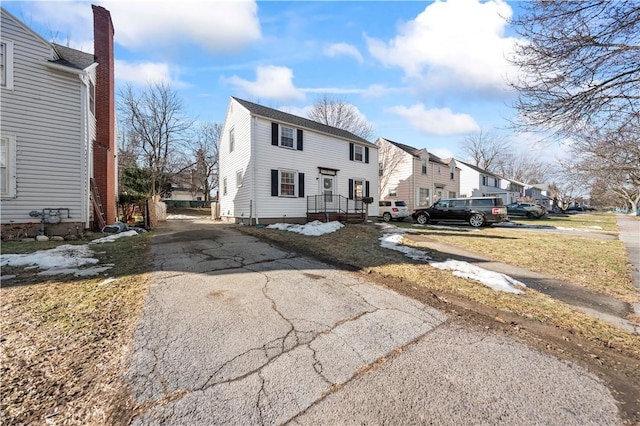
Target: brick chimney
[104,147]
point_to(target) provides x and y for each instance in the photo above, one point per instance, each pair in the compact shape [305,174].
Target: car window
[401,204]
[482,202]
[457,203]
[443,204]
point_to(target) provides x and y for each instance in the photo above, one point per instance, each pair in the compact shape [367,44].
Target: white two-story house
[414,175]
[477,182]
[277,167]
[56,103]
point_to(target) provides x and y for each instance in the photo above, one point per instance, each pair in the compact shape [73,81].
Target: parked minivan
[393,210]
[477,211]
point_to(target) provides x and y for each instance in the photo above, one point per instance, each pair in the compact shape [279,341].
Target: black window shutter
[300,184]
[366,154]
[274,183]
[274,134]
[351,151]
[351,189]
[366,189]
[299,140]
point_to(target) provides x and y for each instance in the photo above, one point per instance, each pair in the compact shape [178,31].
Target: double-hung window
[358,153]
[8,166]
[232,140]
[425,162]
[287,183]
[286,136]
[6,64]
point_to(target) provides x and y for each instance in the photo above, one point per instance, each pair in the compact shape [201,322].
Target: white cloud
[379,90]
[452,44]
[271,83]
[436,121]
[338,49]
[218,26]
[144,73]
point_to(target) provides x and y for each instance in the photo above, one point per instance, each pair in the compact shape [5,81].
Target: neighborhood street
[237,331]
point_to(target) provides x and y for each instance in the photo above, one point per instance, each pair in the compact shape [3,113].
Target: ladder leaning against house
[98,212]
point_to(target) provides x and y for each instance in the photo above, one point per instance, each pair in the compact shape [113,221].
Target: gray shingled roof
[274,114]
[72,58]
[416,152]
[478,169]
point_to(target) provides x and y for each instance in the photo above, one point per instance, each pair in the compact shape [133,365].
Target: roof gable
[406,148]
[24,27]
[277,115]
[479,170]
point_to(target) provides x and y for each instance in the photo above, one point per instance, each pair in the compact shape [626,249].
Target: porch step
[333,216]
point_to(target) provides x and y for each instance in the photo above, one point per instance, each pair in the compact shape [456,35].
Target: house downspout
[254,180]
[88,155]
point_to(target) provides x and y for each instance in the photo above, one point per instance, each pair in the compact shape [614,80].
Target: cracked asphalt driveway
[237,331]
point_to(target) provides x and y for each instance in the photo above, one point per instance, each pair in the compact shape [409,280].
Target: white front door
[328,184]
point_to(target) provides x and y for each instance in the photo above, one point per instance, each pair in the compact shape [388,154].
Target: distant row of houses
[59,156]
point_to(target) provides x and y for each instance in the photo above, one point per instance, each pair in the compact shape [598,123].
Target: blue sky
[422,73]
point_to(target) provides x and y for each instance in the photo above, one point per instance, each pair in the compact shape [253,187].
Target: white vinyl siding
[45,112]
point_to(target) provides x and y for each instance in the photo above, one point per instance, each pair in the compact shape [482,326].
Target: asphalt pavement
[237,331]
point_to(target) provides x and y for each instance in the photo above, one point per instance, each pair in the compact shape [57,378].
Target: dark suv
[477,211]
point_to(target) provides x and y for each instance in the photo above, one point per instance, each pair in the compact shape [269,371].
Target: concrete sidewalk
[236,331]
[629,233]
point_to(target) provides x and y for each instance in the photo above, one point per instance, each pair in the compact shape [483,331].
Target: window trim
[224,186]
[10,166]
[8,64]
[92,97]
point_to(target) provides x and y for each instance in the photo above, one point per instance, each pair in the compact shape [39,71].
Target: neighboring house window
[239,178]
[452,194]
[439,170]
[232,140]
[224,186]
[92,98]
[484,181]
[423,196]
[8,166]
[358,187]
[393,192]
[287,183]
[6,64]
[358,153]
[381,169]
[497,183]
[452,171]
[286,137]
[425,162]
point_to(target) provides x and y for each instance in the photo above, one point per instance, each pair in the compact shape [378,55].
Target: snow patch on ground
[180,217]
[315,228]
[64,259]
[494,280]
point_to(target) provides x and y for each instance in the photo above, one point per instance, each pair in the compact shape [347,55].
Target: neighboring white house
[514,189]
[276,167]
[47,127]
[414,175]
[477,182]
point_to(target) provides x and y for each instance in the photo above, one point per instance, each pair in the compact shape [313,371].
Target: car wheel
[476,220]
[530,215]
[386,217]
[422,219]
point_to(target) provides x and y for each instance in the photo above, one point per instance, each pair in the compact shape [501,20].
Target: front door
[328,184]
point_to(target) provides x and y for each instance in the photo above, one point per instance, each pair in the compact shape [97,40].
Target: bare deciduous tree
[579,65]
[522,167]
[341,114]
[205,145]
[484,149]
[389,158]
[154,119]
